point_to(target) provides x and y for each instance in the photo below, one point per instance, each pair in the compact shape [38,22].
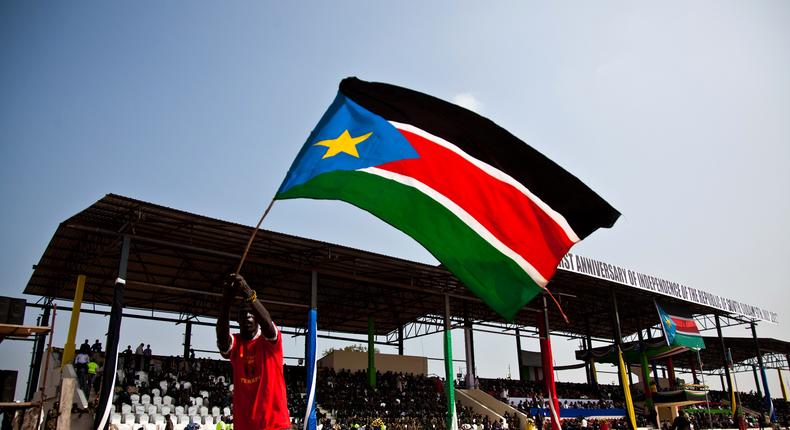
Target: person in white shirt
[81,366]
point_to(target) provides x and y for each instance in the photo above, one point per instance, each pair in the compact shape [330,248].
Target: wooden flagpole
[252,237]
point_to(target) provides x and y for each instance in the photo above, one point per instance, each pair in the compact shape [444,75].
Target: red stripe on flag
[685,325]
[499,207]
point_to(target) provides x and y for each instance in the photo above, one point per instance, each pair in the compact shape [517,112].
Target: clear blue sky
[677,113]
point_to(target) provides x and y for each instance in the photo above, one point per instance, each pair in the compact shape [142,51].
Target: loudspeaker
[7,385]
[12,311]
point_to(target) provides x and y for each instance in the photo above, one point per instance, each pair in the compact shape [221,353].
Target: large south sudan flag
[494,211]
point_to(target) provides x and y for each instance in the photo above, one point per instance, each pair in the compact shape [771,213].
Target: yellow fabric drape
[733,403]
[629,402]
[71,340]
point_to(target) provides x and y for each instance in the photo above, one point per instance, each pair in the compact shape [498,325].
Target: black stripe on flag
[481,138]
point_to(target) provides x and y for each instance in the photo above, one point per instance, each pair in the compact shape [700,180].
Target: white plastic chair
[145,399]
[159,419]
[115,418]
[226,411]
[203,411]
[208,421]
[215,411]
[156,400]
[128,419]
[179,410]
[126,409]
[151,410]
[143,419]
[155,392]
[135,399]
[165,410]
[204,394]
[167,400]
[183,419]
[192,410]
[197,401]
[139,409]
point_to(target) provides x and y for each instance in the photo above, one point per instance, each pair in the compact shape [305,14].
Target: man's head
[248,326]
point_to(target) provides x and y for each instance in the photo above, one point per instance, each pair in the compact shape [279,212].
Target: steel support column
[38,354]
[469,345]
[518,356]
[187,339]
[653,363]
[727,364]
[618,339]
[400,340]
[768,404]
[371,352]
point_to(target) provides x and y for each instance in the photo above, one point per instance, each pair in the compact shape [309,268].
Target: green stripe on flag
[689,341]
[491,275]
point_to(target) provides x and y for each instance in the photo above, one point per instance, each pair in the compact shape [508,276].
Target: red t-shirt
[259,399]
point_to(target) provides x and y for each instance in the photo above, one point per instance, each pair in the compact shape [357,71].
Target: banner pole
[707,403]
[449,385]
[310,422]
[71,338]
[102,418]
[548,369]
[618,340]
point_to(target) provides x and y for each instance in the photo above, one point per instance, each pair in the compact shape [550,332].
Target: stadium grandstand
[173,261]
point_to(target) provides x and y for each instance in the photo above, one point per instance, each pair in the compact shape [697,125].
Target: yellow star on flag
[343,143]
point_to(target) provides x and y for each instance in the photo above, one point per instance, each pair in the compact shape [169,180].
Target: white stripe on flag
[495,173]
[464,216]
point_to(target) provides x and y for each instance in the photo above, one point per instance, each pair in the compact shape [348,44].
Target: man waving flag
[494,211]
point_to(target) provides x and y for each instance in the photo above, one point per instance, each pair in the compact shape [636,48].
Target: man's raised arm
[258,310]
[223,322]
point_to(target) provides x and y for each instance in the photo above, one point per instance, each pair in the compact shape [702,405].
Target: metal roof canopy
[742,349]
[178,259]
[743,352]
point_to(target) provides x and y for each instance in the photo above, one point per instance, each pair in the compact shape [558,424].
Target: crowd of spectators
[470,420]
[401,401]
[185,380]
[574,395]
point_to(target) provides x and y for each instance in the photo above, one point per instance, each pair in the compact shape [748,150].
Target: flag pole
[707,402]
[252,237]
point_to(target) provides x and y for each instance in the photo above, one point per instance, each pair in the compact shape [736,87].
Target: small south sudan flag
[680,329]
